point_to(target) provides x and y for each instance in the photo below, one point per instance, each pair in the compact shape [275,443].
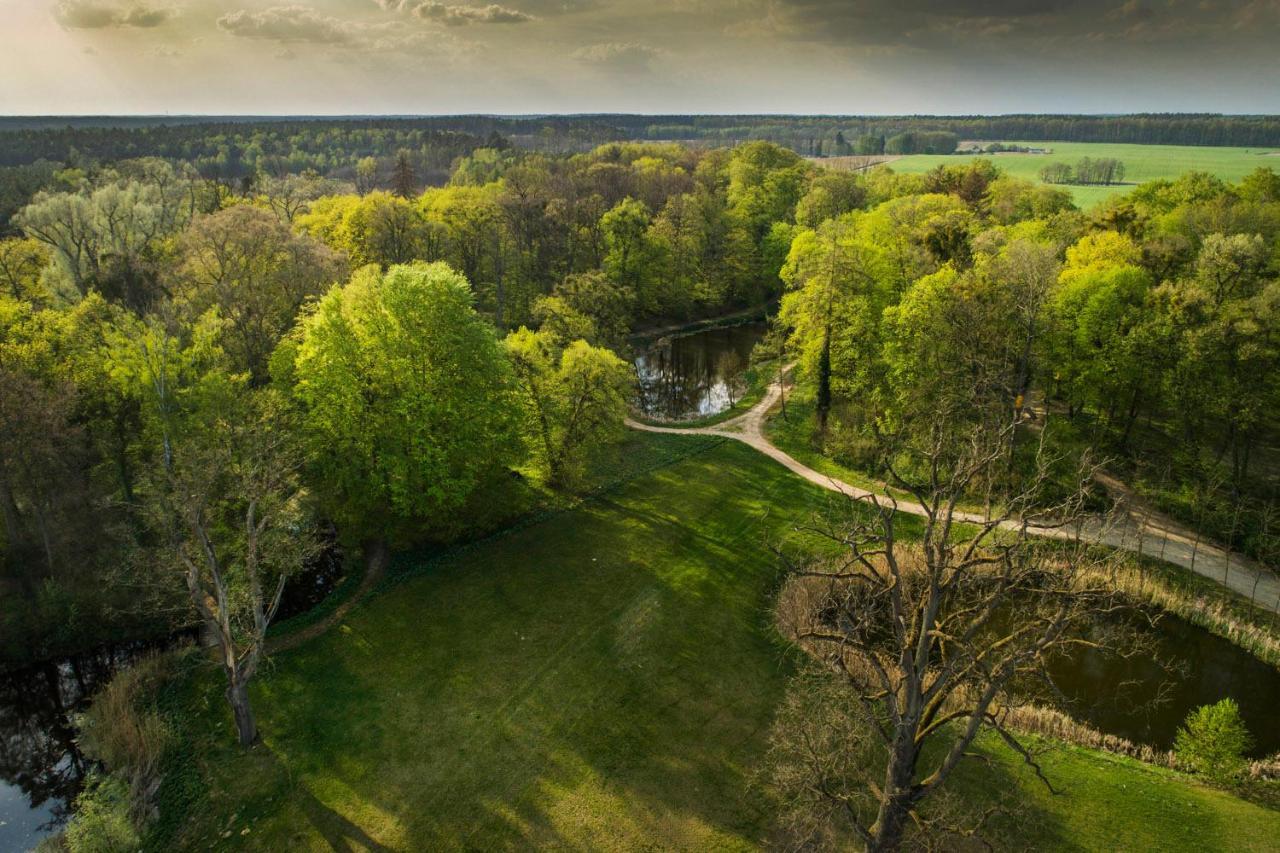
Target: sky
[65,57]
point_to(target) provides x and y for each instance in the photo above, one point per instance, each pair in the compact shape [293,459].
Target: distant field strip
[1142,163]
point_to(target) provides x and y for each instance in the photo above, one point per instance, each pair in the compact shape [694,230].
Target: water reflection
[1146,696]
[695,375]
[41,768]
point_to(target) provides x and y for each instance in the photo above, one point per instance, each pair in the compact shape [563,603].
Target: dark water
[41,768]
[1146,696]
[695,375]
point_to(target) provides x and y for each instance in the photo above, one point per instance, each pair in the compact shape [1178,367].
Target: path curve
[374,562]
[1150,534]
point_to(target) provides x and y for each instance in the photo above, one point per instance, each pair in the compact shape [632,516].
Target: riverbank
[746,315]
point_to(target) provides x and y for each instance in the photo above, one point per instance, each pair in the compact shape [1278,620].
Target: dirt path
[375,566]
[1137,529]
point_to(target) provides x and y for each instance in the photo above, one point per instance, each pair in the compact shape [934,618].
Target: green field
[603,679]
[1142,163]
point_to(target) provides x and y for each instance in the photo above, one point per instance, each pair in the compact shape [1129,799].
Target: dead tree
[930,640]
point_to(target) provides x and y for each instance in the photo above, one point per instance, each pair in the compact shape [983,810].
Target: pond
[1145,697]
[41,768]
[682,377]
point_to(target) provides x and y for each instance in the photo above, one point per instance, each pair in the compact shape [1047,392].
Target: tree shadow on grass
[604,678]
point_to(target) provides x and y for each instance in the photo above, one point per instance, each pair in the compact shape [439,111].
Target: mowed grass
[603,679]
[1142,163]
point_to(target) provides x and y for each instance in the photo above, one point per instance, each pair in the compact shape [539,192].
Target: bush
[1213,741]
[123,731]
[101,822]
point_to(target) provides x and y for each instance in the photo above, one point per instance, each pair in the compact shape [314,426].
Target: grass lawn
[601,679]
[1142,163]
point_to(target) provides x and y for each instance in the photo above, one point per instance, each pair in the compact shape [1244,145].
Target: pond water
[41,768]
[695,375]
[1146,696]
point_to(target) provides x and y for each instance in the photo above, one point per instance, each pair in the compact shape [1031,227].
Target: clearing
[1142,163]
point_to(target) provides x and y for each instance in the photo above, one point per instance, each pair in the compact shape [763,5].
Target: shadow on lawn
[338,832]
[605,678]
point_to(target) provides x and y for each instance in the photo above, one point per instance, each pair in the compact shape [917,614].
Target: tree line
[156,326]
[798,132]
[235,146]
[1103,171]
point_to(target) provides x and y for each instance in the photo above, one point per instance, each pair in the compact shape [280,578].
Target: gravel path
[1143,532]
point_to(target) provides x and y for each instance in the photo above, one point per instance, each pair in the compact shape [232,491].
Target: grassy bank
[601,678]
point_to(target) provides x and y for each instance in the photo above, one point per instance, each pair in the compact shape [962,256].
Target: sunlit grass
[602,679]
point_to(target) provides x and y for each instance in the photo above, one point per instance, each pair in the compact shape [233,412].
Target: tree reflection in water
[695,375]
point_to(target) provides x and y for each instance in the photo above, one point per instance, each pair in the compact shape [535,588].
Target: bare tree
[930,641]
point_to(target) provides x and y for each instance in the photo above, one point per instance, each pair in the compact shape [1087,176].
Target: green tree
[378,228]
[590,306]
[407,401]
[224,495]
[833,305]
[628,250]
[404,181]
[366,174]
[21,262]
[257,273]
[576,395]
[1214,740]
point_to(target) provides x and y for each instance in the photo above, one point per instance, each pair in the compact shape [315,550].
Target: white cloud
[455,15]
[619,56]
[289,24]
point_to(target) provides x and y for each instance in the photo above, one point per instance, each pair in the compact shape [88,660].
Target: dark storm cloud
[90,15]
[1017,24]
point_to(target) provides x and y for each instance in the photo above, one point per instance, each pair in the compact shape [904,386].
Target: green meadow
[603,679]
[1142,163]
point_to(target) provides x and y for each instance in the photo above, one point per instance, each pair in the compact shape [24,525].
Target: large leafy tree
[576,395]
[407,403]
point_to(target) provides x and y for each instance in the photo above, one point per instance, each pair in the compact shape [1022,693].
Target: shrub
[1213,741]
[125,733]
[101,822]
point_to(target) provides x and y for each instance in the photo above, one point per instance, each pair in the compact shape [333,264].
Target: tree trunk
[895,807]
[824,383]
[246,725]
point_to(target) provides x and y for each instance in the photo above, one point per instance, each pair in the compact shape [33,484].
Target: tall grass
[1213,610]
[123,730]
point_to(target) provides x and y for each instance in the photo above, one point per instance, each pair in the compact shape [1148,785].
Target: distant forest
[232,143]
[37,152]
